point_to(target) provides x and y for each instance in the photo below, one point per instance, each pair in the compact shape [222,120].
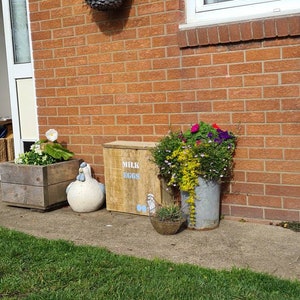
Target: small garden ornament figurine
[85,194]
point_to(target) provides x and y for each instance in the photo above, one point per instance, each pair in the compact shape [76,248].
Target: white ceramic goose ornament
[85,194]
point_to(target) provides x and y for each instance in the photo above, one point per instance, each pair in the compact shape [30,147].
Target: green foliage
[35,156]
[32,268]
[161,154]
[57,151]
[170,213]
[43,152]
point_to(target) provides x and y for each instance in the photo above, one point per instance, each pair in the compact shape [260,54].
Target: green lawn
[32,268]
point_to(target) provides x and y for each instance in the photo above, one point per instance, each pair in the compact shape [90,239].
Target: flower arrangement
[45,152]
[203,150]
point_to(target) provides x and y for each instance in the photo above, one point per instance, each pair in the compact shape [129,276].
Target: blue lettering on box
[127,175]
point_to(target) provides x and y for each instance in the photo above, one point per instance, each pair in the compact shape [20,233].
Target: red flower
[195,128]
[215,126]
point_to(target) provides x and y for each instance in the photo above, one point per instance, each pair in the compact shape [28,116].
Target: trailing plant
[45,151]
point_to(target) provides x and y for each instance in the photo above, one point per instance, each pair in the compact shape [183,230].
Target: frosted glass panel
[20,33]
[27,109]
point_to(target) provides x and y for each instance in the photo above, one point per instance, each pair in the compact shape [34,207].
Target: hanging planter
[103,5]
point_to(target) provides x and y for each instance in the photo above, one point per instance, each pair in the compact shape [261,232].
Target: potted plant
[38,178]
[103,5]
[167,219]
[196,162]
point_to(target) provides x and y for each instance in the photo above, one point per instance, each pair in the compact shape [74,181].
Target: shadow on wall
[113,21]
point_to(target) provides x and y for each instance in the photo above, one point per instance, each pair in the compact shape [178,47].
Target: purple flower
[224,135]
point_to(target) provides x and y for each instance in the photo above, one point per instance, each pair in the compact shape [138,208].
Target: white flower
[52,135]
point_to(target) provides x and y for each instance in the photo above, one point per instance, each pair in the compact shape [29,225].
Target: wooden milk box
[130,176]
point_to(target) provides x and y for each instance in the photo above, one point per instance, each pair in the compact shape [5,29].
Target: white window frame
[18,71]
[199,14]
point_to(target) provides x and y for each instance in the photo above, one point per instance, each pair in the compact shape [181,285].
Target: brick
[270,28]
[163,108]
[281,91]
[203,106]
[262,105]
[228,57]
[294,25]
[192,38]
[223,31]
[282,27]
[249,165]
[246,31]
[257,30]
[102,120]
[290,78]
[142,130]
[280,214]
[247,212]
[213,35]
[119,88]
[213,94]
[287,166]
[290,178]
[166,86]
[257,80]
[91,110]
[234,32]
[68,110]
[281,66]
[292,154]
[283,190]
[250,117]
[227,81]
[128,119]
[249,188]
[80,120]
[155,119]
[282,142]
[195,84]
[245,68]
[266,153]
[263,129]
[155,30]
[234,199]
[202,36]
[225,106]
[291,203]
[290,104]
[139,109]
[264,201]
[266,177]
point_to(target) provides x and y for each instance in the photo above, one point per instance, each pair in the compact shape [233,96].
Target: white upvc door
[20,72]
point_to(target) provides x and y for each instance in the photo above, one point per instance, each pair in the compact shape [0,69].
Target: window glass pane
[20,35]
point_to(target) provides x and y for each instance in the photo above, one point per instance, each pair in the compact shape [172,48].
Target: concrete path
[263,248]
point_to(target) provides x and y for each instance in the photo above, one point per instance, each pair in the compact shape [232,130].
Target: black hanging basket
[103,5]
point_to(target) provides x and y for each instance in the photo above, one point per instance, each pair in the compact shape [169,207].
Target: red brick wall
[130,75]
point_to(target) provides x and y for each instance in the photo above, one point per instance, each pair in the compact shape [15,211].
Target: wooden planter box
[38,187]
[130,176]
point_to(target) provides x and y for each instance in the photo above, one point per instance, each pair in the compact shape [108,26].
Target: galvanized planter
[103,5]
[38,187]
[207,205]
